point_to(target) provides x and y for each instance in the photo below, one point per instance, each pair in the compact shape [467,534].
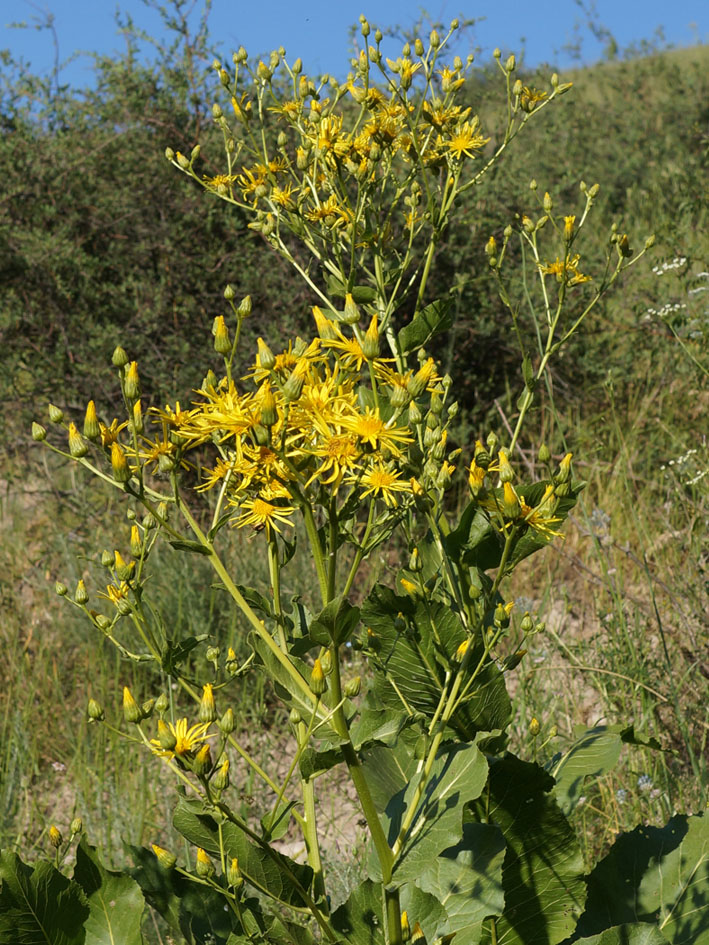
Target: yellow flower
[383,483]
[260,513]
[283,197]
[220,182]
[331,213]
[466,139]
[187,740]
[565,270]
[372,430]
[530,98]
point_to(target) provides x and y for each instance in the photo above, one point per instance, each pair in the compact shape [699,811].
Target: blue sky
[318,30]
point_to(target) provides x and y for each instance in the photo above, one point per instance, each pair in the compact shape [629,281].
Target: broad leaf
[412,660]
[313,763]
[193,911]
[427,323]
[467,881]
[175,652]
[458,775]
[377,725]
[595,752]
[361,918]
[542,874]
[195,547]
[658,875]
[116,903]
[640,934]
[39,906]
[335,623]
[286,688]
[265,869]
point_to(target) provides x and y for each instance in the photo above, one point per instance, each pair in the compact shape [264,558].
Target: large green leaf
[116,903]
[412,661]
[593,753]
[480,545]
[377,725]
[467,881]
[427,323]
[193,911]
[266,870]
[335,623]
[39,906]
[658,875]
[542,874]
[286,688]
[458,775]
[361,918]
[640,934]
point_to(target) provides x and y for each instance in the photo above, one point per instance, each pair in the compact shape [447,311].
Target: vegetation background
[101,242]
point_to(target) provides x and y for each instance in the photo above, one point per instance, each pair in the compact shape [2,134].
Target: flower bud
[132,382]
[137,422]
[119,358]
[207,708]
[269,409]
[265,356]
[77,444]
[534,727]
[318,683]
[38,432]
[230,292]
[165,736]
[202,763]
[510,502]
[245,306]
[76,826]
[119,463]
[147,709]
[544,454]
[405,927]
[353,687]
[220,782]
[205,867]
[547,202]
[124,569]
[502,616]
[222,344]
[233,875]
[80,595]
[510,64]
[351,315]
[506,471]
[294,717]
[370,344]
[131,709]
[61,589]
[169,154]
[232,663]
[434,39]
[227,722]
[162,704]
[166,859]
[55,414]
[94,711]
[55,837]
[459,655]
[564,473]
[526,624]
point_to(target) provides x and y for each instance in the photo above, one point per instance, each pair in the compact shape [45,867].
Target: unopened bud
[222,343]
[370,344]
[547,202]
[265,356]
[162,704]
[221,779]
[61,589]
[132,382]
[205,867]
[38,432]
[94,711]
[55,837]
[227,723]
[534,727]
[166,859]
[244,309]
[544,454]
[233,875]
[77,444]
[318,683]
[202,763]
[510,64]
[119,463]
[80,594]
[76,826]
[353,687]
[207,708]
[131,710]
[119,358]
